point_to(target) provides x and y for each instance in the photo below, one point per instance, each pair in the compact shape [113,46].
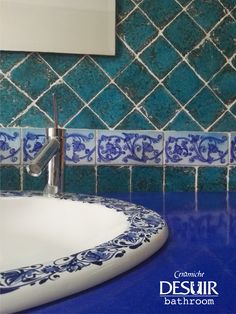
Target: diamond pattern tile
[159,107]
[160,57]
[224,36]
[86,79]
[112,105]
[136,81]
[183,33]
[206,13]
[33,76]
[86,119]
[136,30]
[60,62]
[206,60]
[113,67]
[224,84]
[158,43]
[161,12]
[12,99]
[206,100]
[183,83]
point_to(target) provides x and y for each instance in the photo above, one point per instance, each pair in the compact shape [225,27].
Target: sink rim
[143,223]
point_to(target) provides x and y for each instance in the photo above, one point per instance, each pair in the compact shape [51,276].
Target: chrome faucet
[51,156]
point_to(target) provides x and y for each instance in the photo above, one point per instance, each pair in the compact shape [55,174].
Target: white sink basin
[53,247]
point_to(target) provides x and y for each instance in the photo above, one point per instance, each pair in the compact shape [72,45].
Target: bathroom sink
[52,247]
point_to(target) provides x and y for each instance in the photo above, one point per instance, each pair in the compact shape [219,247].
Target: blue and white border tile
[32,142]
[10,145]
[233,149]
[196,148]
[129,147]
[80,147]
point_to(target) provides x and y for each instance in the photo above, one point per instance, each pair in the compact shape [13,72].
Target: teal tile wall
[174,70]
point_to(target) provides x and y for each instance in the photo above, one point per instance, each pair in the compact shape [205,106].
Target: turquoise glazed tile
[206,107]
[113,179]
[224,36]
[147,179]
[136,82]
[230,4]
[179,179]
[123,7]
[9,178]
[80,179]
[128,148]
[212,179]
[226,124]
[206,13]
[86,119]
[196,148]
[80,147]
[136,30]
[112,105]
[12,102]
[159,107]
[33,76]
[233,148]
[224,84]
[183,33]
[206,60]
[161,12]
[10,146]
[160,57]
[135,120]
[114,66]
[86,79]
[8,59]
[33,141]
[34,183]
[33,118]
[60,63]
[232,179]
[64,96]
[183,83]
[183,122]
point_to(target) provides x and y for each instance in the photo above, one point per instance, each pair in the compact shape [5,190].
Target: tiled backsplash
[135,160]
[174,70]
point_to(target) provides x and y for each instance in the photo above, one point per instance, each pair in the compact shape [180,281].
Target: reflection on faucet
[51,155]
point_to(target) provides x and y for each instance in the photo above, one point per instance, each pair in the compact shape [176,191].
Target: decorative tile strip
[9,146]
[233,149]
[33,141]
[129,147]
[196,148]
[80,147]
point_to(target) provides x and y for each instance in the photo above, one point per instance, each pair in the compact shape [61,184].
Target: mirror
[63,26]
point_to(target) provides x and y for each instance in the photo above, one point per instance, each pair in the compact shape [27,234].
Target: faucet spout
[52,157]
[36,167]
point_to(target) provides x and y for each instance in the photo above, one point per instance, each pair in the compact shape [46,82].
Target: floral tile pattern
[80,147]
[191,148]
[129,147]
[33,141]
[10,146]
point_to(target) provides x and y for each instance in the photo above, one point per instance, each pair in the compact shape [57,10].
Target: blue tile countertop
[202,241]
